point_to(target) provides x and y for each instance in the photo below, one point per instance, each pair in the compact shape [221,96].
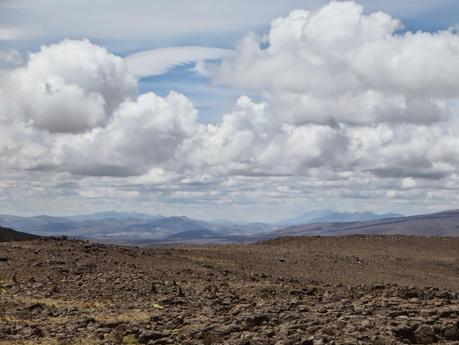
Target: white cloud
[251,140]
[338,64]
[153,23]
[156,176]
[68,87]
[408,182]
[23,147]
[158,138]
[143,133]
[345,114]
[159,61]
[143,21]
[8,34]
[10,58]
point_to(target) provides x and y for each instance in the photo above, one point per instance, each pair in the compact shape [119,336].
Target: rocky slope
[346,290]
[7,235]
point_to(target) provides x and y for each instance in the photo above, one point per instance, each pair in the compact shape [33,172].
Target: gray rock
[257,319]
[145,336]
[425,334]
[451,332]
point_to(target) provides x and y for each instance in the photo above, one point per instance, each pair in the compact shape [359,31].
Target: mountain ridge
[9,235]
[124,228]
[331,215]
[444,223]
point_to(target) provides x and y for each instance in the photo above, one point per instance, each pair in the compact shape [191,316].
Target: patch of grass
[57,320]
[89,340]
[127,316]
[57,303]
[6,281]
[31,342]
[49,341]
[130,340]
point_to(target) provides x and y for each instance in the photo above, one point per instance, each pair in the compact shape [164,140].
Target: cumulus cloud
[68,87]
[10,58]
[343,106]
[251,140]
[338,64]
[143,133]
[81,117]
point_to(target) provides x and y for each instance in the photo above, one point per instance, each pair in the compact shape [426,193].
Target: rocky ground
[348,290]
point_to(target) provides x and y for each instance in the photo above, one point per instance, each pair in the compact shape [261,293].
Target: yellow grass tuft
[128,316]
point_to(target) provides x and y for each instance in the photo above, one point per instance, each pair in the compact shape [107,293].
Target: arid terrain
[8,235]
[306,290]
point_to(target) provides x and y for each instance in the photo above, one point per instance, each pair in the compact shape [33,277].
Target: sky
[239,110]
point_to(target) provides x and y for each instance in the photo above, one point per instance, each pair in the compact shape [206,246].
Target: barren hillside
[314,290]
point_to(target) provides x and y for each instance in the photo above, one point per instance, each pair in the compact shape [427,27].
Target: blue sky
[214,100]
[326,107]
[211,100]
[146,24]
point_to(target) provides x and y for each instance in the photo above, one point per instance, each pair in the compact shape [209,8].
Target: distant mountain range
[324,216]
[437,224]
[135,228]
[143,229]
[113,215]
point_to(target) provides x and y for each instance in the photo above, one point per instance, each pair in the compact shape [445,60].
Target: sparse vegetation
[290,290]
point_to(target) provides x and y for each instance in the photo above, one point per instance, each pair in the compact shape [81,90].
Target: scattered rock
[451,332]
[425,334]
[146,336]
[233,295]
[257,320]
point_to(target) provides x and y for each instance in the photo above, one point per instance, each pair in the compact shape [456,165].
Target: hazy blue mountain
[437,224]
[307,217]
[324,216]
[125,228]
[129,228]
[354,217]
[112,215]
